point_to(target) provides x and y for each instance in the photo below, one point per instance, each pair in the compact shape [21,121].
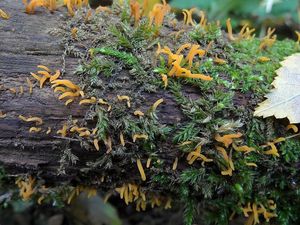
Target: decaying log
[26,42]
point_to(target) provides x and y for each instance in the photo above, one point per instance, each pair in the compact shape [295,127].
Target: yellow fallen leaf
[283,101]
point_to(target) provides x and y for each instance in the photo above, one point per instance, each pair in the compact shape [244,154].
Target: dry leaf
[284,100]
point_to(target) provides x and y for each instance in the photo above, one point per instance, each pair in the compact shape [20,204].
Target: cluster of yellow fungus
[228,140]
[273,151]
[4,15]
[188,17]
[177,60]
[245,33]
[52,5]
[80,189]
[228,160]
[135,11]
[134,193]
[158,13]
[68,89]
[258,209]
[45,73]
[26,187]
[268,40]
[196,155]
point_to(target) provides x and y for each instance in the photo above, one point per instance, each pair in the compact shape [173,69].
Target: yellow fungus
[251,164]
[48,130]
[277,140]
[135,11]
[63,131]
[293,127]
[85,133]
[103,9]
[21,90]
[243,148]
[156,104]
[36,76]
[26,187]
[92,100]
[62,89]
[122,139]
[158,13]
[88,16]
[188,16]
[183,47]
[273,151]
[195,155]
[44,73]
[148,162]
[219,61]
[229,30]
[227,139]
[96,144]
[55,76]
[40,199]
[34,129]
[4,15]
[227,159]
[69,101]
[298,36]
[193,52]
[42,81]
[138,113]
[68,94]
[141,169]
[139,136]
[94,132]
[263,59]
[66,83]
[124,97]
[35,119]
[174,166]
[44,68]
[12,90]
[108,144]
[164,78]
[30,85]
[168,204]
[2,115]
[268,40]
[74,31]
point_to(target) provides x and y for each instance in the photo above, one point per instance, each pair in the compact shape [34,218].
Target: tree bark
[25,42]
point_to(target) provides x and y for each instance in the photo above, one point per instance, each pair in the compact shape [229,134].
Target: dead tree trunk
[24,44]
